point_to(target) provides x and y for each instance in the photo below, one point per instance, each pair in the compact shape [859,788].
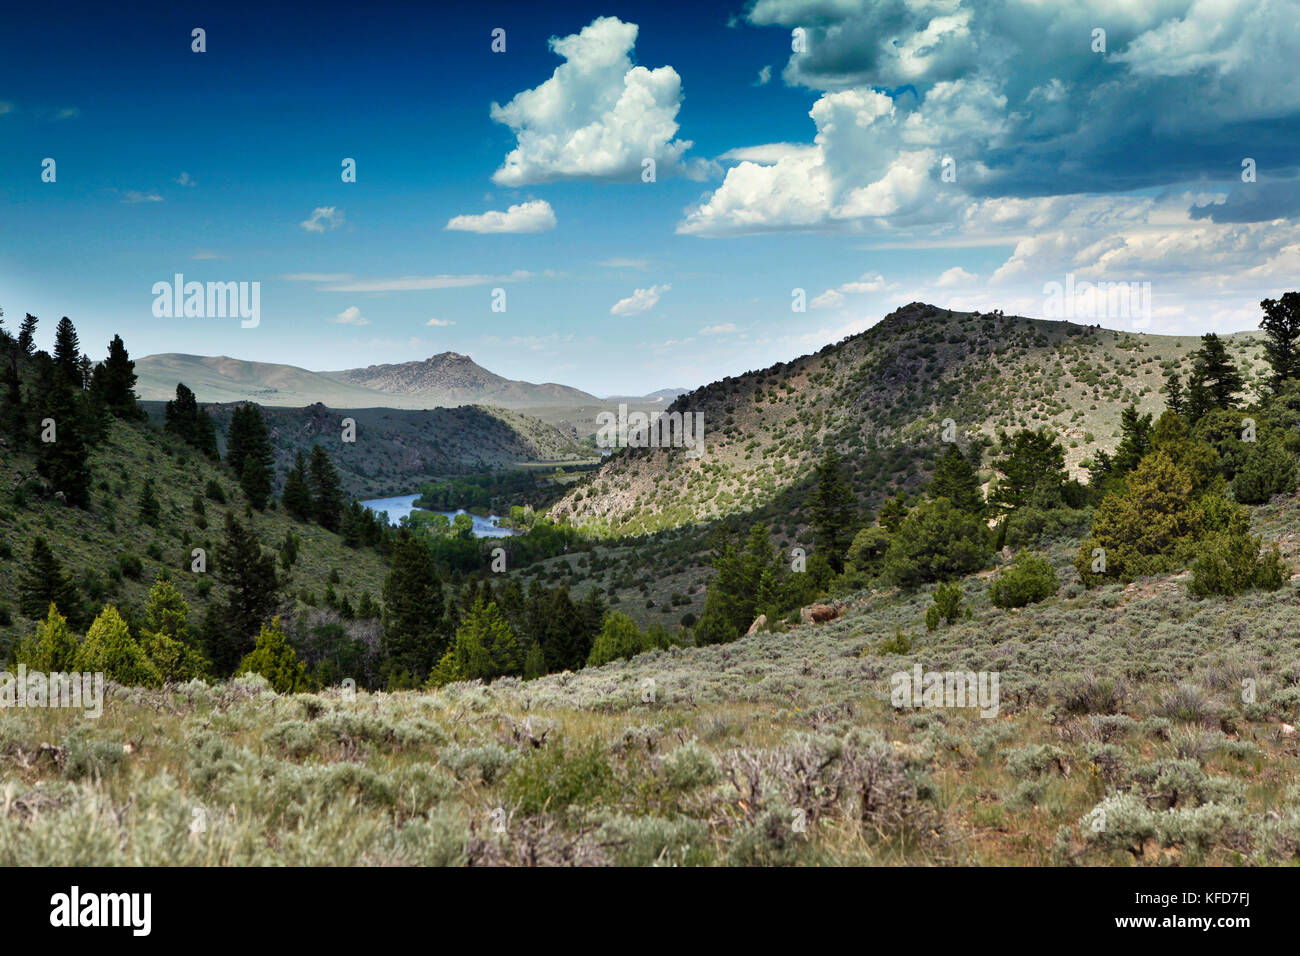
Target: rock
[1287,730]
[758,622]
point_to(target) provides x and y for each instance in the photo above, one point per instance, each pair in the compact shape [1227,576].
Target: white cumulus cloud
[323,218]
[597,117]
[954,276]
[535,216]
[350,316]
[640,300]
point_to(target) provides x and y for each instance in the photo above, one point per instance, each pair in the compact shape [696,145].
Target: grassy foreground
[1135,725]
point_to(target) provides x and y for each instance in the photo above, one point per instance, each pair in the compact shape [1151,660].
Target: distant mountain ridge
[445,380]
[451,378]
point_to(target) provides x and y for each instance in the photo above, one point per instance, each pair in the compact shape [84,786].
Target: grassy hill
[98,545]
[880,398]
[398,449]
[1119,704]
[220,378]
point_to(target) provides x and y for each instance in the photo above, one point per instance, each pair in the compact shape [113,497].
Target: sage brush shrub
[1093,695]
[690,766]
[656,841]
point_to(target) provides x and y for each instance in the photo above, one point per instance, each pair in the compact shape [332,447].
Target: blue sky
[777,169]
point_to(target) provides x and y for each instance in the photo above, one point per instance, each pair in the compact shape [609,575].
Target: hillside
[223,379]
[98,545]
[396,450]
[781,748]
[880,398]
[450,378]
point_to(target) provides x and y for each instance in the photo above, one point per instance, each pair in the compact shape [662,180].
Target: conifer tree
[534,662]
[832,510]
[248,570]
[1032,470]
[67,354]
[1215,380]
[1281,325]
[110,649]
[255,481]
[297,492]
[618,638]
[164,635]
[275,659]
[414,639]
[64,460]
[565,641]
[51,648]
[13,423]
[1175,400]
[248,453]
[45,582]
[27,336]
[114,381]
[149,508]
[325,489]
[955,478]
[485,647]
[190,423]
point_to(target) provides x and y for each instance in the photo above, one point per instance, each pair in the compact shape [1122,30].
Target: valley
[634,677]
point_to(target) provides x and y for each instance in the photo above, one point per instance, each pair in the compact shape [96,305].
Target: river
[399,507]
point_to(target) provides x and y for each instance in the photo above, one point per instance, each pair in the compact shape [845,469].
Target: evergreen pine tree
[1032,470]
[618,638]
[485,647]
[45,582]
[275,659]
[1135,440]
[110,649]
[255,480]
[297,493]
[1281,325]
[13,422]
[249,442]
[325,489]
[164,635]
[67,354]
[113,381]
[956,479]
[190,423]
[51,648]
[413,611]
[1215,380]
[534,662]
[1175,400]
[248,570]
[64,461]
[27,336]
[832,511]
[149,509]
[564,641]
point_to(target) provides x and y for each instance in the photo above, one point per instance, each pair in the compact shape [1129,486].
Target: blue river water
[399,507]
